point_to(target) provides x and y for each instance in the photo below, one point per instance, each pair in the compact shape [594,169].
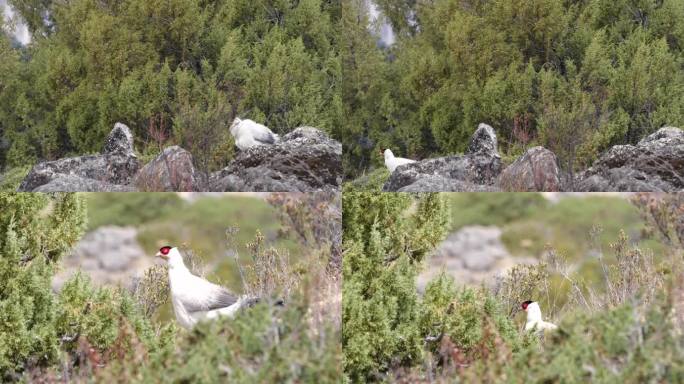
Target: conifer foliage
[176,72]
[574,76]
[91,333]
[387,327]
[35,231]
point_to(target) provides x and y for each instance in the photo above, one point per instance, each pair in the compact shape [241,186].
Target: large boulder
[655,164]
[473,255]
[477,170]
[115,166]
[535,171]
[73,183]
[304,160]
[171,171]
[109,255]
[443,184]
[119,141]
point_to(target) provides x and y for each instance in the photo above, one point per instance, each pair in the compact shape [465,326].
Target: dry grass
[152,290]
[522,283]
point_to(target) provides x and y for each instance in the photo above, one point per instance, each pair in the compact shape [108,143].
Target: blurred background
[492,232]
[125,231]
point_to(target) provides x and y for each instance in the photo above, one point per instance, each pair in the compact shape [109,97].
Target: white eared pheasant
[534,318]
[392,162]
[248,133]
[195,299]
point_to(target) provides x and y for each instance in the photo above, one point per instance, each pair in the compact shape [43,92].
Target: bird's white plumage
[248,133]
[535,321]
[392,162]
[194,298]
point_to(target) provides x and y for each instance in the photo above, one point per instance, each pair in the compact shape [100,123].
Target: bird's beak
[161,255]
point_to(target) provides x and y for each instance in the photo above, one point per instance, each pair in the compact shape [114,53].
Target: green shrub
[176,82]
[10,180]
[385,243]
[82,326]
[622,325]
[372,181]
[36,230]
[462,315]
[263,344]
[91,334]
[574,76]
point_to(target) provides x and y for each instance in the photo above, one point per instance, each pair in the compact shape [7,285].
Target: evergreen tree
[151,64]
[36,230]
[384,246]
[38,328]
[616,68]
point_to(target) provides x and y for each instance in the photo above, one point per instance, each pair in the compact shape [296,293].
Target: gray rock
[171,171]
[477,247]
[472,255]
[478,261]
[655,164]
[115,166]
[475,171]
[119,141]
[73,183]
[535,171]
[483,141]
[110,255]
[304,160]
[443,184]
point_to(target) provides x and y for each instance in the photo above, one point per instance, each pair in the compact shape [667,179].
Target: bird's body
[194,298]
[534,318]
[248,133]
[392,162]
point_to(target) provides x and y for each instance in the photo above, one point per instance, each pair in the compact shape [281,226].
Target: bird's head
[171,255]
[526,304]
[388,153]
[234,127]
[532,309]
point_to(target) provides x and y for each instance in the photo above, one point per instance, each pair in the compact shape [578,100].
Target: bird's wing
[547,325]
[202,295]
[262,134]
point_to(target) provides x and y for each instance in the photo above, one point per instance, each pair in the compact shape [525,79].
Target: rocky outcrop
[536,170]
[108,171]
[473,255]
[477,170]
[73,183]
[655,164]
[172,170]
[110,255]
[304,160]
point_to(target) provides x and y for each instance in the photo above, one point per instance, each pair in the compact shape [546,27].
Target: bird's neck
[534,315]
[178,268]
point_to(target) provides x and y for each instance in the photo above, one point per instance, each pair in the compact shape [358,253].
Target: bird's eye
[165,250]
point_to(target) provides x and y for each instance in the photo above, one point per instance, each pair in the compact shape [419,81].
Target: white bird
[392,162]
[194,298]
[248,133]
[534,318]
